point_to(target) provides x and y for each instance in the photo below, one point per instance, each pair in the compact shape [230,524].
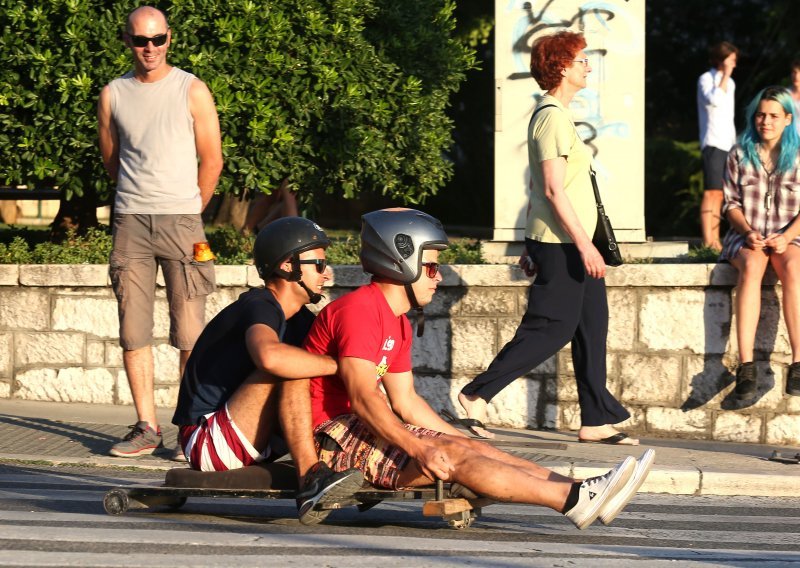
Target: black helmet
[283,238]
[392,241]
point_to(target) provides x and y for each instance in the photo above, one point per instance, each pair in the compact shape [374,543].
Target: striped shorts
[216,444]
[356,446]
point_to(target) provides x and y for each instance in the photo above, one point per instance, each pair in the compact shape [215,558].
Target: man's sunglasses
[142,41]
[321,263]
[431,269]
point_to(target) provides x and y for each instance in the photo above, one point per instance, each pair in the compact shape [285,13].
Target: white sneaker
[595,491]
[614,506]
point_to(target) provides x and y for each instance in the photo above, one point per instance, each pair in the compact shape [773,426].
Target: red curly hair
[552,53]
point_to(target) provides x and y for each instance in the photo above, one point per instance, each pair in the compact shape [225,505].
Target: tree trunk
[230,210]
[79,213]
[9,212]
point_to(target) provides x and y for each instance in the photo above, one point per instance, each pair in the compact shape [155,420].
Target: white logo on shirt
[388,345]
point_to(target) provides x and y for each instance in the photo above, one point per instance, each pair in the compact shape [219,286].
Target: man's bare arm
[207,139]
[411,407]
[370,406]
[107,134]
[283,360]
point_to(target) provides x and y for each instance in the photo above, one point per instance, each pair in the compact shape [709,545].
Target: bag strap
[537,111]
[596,191]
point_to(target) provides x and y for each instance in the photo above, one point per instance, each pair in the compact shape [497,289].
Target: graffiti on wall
[604,23]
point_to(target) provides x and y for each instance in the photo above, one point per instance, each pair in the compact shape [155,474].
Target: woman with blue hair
[762,202]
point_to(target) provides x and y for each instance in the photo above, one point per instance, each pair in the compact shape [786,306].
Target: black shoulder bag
[604,239]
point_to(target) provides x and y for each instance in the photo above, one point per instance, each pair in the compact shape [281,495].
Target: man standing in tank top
[160,141]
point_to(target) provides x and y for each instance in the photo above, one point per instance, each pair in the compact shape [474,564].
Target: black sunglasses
[321,263]
[431,269]
[142,41]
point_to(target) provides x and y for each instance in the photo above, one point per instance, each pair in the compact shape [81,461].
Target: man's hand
[433,462]
[729,65]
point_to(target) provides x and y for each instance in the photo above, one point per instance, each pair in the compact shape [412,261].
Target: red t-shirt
[359,324]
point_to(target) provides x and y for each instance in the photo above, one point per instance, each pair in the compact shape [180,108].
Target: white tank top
[157,153]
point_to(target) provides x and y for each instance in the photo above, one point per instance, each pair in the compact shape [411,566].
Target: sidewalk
[64,433]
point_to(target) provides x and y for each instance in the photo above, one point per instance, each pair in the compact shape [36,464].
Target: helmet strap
[313,297]
[414,304]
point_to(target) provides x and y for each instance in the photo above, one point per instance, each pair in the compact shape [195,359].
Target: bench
[21,192]
[9,195]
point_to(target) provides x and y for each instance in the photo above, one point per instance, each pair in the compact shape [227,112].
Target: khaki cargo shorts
[141,243]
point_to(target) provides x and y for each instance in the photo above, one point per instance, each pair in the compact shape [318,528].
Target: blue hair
[790,140]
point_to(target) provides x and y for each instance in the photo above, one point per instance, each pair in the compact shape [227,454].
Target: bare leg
[494,479]
[531,468]
[787,267]
[295,418]
[139,368]
[751,265]
[183,356]
[253,407]
[710,217]
[475,407]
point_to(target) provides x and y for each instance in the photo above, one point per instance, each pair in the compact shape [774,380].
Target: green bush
[340,97]
[19,245]
[91,248]
[229,245]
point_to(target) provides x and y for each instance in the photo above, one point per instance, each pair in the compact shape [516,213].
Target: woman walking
[567,301]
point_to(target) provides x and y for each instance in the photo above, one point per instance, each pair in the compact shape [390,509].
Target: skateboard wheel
[116,502]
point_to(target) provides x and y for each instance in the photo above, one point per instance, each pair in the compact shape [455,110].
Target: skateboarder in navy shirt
[244,396]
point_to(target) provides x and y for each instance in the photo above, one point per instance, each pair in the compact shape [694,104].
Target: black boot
[793,380]
[747,381]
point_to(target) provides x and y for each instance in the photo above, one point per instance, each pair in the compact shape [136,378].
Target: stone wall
[669,346]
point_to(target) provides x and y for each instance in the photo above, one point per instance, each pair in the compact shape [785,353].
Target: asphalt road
[53,516]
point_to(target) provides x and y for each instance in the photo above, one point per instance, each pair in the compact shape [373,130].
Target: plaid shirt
[768,202]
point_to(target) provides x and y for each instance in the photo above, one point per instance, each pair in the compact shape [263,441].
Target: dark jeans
[563,305]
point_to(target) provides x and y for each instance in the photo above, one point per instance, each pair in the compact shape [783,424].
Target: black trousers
[564,304]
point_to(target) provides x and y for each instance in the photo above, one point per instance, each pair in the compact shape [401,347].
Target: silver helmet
[392,241]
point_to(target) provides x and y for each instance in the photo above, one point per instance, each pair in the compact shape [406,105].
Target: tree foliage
[339,96]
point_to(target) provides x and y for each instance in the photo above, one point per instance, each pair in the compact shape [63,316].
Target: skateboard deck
[453,503]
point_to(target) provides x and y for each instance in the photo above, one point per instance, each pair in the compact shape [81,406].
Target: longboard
[277,481]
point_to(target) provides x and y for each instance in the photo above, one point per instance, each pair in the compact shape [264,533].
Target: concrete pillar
[609,112]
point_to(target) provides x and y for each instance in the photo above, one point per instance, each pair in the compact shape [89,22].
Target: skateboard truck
[459,512]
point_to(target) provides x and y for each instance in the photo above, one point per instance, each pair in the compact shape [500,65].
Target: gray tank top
[157,153]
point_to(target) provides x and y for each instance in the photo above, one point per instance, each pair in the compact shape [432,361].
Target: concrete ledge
[9,274]
[753,484]
[675,480]
[454,275]
[64,275]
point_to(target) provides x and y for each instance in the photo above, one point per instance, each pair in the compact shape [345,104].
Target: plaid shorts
[356,446]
